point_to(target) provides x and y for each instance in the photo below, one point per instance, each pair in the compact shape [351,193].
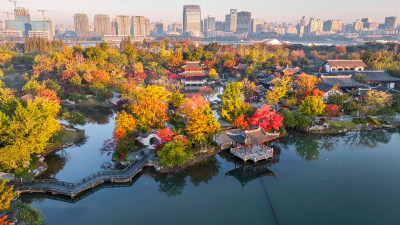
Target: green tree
[174,153]
[312,106]
[233,104]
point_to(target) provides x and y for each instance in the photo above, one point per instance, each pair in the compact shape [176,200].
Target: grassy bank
[65,135]
[26,214]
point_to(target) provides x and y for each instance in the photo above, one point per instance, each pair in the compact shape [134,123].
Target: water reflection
[172,184]
[95,114]
[55,162]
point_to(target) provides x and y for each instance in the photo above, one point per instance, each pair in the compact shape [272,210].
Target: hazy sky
[171,10]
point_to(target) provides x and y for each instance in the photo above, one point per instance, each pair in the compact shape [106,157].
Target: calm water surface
[344,179]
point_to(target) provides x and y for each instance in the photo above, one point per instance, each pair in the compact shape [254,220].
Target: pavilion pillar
[245,148]
[251,149]
[262,145]
[267,145]
[236,146]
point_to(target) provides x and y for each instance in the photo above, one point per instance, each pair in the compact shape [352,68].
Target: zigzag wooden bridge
[73,189]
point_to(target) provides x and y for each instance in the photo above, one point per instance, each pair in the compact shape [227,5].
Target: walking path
[73,189]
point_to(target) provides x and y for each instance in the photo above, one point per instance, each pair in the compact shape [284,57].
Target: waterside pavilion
[251,144]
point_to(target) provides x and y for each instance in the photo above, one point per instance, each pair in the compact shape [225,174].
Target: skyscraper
[192,20]
[102,24]
[210,25]
[231,21]
[315,26]
[390,23]
[160,29]
[243,22]
[81,23]
[140,26]
[123,25]
[255,23]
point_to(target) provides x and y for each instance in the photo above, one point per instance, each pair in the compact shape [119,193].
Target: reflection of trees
[81,141]
[55,163]
[171,184]
[204,171]
[96,114]
[370,139]
[307,148]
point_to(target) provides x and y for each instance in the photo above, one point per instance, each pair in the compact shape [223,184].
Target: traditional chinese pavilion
[249,145]
[194,75]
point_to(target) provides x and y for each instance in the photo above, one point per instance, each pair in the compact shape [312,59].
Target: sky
[171,10]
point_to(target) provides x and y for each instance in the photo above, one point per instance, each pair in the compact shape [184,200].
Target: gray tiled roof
[344,81]
[371,76]
[252,136]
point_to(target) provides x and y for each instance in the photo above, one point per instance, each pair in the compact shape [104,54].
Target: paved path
[74,189]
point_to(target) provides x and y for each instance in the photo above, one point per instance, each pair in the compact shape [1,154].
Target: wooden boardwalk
[73,189]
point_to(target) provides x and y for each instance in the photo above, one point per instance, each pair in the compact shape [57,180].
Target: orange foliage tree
[101,76]
[49,94]
[241,123]
[305,82]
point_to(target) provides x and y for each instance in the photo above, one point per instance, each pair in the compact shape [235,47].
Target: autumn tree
[374,101]
[233,104]
[305,83]
[312,106]
[267,118]
[125,122]
[202,124]
[7,194]
[279,90]
[149,106]
[174,153]
[248,87]
[340,50]
[332,110]
[213,74]
[241,122]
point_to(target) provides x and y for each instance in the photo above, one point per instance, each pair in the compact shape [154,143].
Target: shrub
[335,125]
[174,154]
[27,213]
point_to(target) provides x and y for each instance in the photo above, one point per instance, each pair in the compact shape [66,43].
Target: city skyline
[171,11]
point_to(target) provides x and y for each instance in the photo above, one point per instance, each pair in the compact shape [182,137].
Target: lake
[312,179]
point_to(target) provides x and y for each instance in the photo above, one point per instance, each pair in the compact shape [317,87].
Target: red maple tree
[267,118]
[332,110]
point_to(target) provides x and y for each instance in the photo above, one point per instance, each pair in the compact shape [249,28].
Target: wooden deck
[256,154]
[73,189]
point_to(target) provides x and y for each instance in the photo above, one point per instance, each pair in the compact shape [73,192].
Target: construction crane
[8,19]
[44,19]
[15,6]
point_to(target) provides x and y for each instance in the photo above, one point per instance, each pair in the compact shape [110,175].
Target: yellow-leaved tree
[312,106]
[149,106]
[279,90]
[7,194]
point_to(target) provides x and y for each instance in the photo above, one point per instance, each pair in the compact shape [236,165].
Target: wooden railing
[74,189]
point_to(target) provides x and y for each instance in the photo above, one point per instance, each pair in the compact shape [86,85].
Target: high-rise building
[358,25]
[160,29]
[390,23]
[22,14]
[243,22]
[302,21]
[123,25]
[102,25]
[140,26]
[255,23]
[333,25]
[315,26]
[219,25]
[231,21]
[192,20]
[210,24]
[81,23]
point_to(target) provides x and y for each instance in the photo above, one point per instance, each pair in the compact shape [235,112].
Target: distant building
[102,25]
[344,82]
[344,65]
[123,25]
[255,23]
[219,26]
[241,67]
[315,26]
[231,21]
[160,29]
[243,22]
[333,25]
[81,23]
[390,23]
[358,25]
[192,20]
[140,26]
[209,24]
